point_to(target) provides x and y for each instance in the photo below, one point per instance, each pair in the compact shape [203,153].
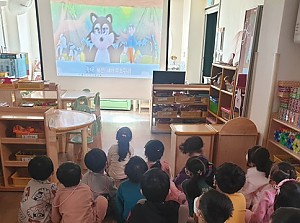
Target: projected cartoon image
[107,40]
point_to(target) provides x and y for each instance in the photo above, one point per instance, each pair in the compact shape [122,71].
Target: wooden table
[179,133]
[71,95]
[62,121]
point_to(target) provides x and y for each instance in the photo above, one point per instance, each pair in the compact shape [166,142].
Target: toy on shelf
[28,132]
[288,139]
[289,107]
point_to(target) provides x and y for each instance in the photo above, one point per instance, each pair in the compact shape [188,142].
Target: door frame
[209,10]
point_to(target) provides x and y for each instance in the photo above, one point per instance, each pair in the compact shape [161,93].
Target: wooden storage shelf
[47,93]
[9,146]
[178,96]
[225,98]
[288,125]
[227,92]
[23,141]
[14,163]
[275,147]
[215,87]
[286,150]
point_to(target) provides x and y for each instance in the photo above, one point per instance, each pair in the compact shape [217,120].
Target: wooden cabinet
[10,145]
[232,141]
[221,94]
[177,103]
[182,132]
[46,95]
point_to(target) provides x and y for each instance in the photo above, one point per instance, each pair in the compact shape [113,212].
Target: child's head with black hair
[40,167]
[286,215]
[289,195]
[249,156]
[261,159]
[192,145]
[135,169]
[124,136]
[154,150]
[230,178]
[281,171]
[196,168]
[95,160]
[69,174]
[214,206]
[155,185]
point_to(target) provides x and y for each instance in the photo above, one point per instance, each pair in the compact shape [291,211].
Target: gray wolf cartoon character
[102,38]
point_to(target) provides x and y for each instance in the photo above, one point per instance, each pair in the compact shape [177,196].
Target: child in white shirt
[258,159]
[119,155]
[39,193]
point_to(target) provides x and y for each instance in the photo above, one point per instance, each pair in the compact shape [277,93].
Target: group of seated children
[134,190]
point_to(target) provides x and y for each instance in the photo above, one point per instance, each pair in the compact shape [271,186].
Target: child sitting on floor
[154,150]
[258,159]
[193,146]
[286,215]
[39,193]
[119,154]
[264,208]
[100,184]
[230,178]
[213,207]
[74,202]
[288,194]
[129,191]
[196,185]
[155,186]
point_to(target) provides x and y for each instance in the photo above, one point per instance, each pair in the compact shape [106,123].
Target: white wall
[185,29]
[276,36]
[232,14]
[195,41]
[175,29]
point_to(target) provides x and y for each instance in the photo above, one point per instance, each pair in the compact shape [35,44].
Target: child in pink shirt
[74,202]
[258,159]
[264,208]
[154,150]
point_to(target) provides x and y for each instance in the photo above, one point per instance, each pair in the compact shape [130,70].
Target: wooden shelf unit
[9,145]
[47,94]
[177,103]
[275,147]
[218,91]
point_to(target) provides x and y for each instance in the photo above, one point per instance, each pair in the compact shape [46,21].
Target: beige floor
[111,122]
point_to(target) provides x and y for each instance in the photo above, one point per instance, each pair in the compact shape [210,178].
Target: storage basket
[166,114]
[184,98]
[8,86]
[161,100]
[191,114]
[27,155]
[30,85]
[20,178]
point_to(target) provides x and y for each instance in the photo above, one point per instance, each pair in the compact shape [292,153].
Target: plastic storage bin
[20,178]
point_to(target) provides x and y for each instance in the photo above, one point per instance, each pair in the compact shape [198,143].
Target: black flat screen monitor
[168,77]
